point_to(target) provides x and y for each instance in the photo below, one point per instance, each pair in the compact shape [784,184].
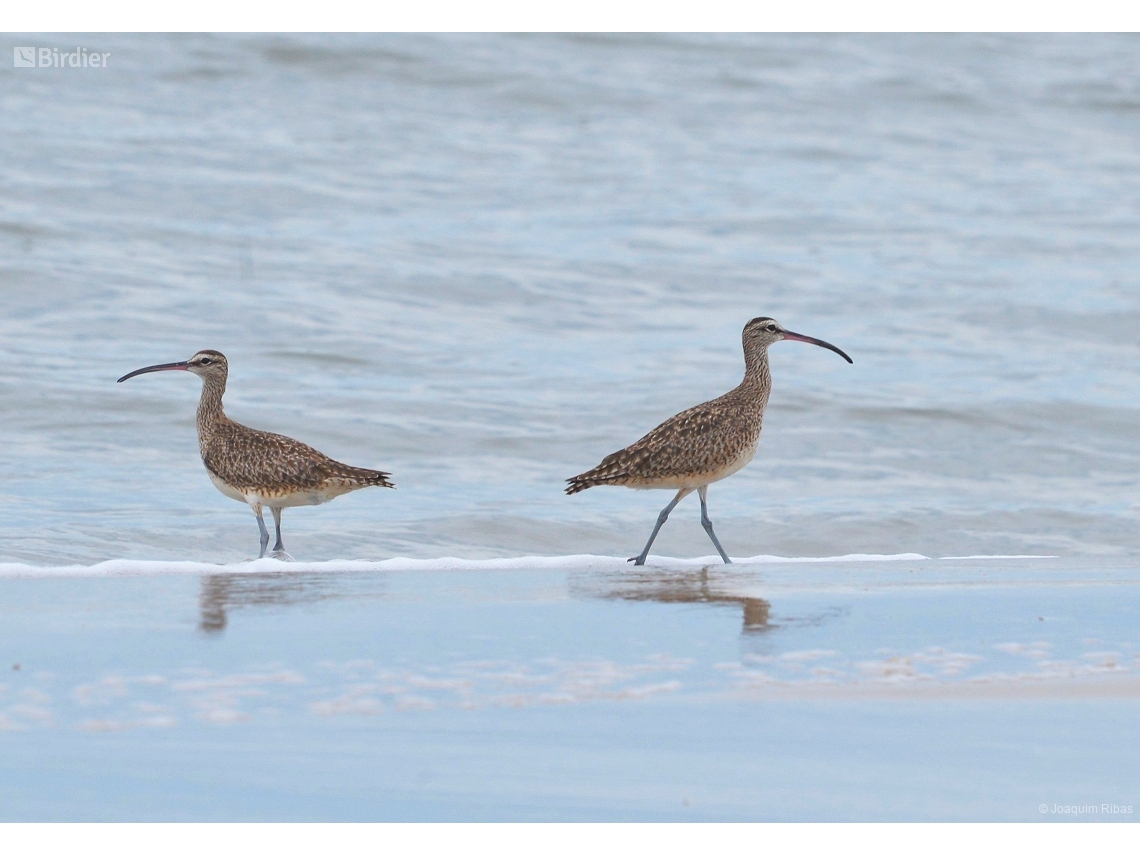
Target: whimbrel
[264,470]
[703,444]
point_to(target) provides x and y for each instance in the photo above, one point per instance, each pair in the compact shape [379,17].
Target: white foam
[124,567]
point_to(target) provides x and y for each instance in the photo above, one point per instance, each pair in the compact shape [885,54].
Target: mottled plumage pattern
[700,445]
[269,465]
[273,465]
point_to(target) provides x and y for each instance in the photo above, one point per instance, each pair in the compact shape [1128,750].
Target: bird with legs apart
[703,444]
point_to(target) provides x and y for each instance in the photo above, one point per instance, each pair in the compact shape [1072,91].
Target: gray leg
[264,531]
[664,515]
[707,523]
[279,548]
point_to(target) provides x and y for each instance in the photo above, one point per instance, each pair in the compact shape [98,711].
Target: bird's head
[764,332]
[210,365]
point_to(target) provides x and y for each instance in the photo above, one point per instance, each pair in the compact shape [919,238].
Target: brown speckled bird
[703,444]
[259,468]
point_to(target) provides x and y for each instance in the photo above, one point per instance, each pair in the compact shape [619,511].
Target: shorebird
[264,470]
[703,444]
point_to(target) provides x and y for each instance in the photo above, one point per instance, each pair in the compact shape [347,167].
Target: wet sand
[573,688]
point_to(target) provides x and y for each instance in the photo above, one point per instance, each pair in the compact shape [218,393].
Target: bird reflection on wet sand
[223,592]
[674,586]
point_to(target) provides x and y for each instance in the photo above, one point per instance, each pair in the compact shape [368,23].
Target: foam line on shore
[128,567]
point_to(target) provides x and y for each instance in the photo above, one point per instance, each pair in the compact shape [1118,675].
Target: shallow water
[571,690]
[482,263]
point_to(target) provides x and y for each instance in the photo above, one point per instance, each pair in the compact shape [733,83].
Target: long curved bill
[166,366]
[791,336]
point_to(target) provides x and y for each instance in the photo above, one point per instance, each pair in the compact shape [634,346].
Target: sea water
[483,263]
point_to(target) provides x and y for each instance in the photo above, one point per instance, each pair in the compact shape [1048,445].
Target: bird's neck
[210,411]
[757,382]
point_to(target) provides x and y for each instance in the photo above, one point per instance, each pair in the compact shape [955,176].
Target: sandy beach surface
[574,688]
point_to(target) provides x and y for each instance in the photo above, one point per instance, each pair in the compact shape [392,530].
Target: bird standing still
[703,444]
[259,468]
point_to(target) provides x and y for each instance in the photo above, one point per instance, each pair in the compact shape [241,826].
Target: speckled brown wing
[249,459]
[695,442]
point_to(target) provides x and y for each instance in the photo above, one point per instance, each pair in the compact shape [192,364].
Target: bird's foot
[637,561]
[280,555]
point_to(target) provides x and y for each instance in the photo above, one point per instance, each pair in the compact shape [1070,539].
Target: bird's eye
[205,361]
[771,327]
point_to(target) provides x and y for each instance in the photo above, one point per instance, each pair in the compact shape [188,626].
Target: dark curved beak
[166,366]
[791,336]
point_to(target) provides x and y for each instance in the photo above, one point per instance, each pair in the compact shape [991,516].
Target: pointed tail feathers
[577,485]
[378,479]
[358,478]
[614,469]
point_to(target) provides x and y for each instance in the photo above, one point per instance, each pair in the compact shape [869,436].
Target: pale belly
[224,488]
[739,463]
[275,500]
